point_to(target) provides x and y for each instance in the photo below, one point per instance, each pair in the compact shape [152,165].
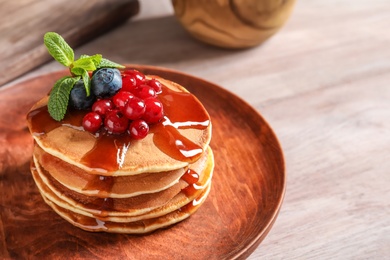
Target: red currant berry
[139,77]
[134,109]
[155,84]
[128,83]
[92,122]
[121,98]
[102,106]
[144,92]
[153,110]
[138,129]
[115,122]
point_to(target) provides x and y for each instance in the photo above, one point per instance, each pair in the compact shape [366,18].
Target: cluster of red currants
[133,108]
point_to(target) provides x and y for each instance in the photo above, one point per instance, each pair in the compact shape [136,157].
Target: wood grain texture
[23,24]
[247,189]
[232,23]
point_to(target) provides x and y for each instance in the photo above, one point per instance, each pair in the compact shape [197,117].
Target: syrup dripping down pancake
[80,181]
[123,210]
[136,227]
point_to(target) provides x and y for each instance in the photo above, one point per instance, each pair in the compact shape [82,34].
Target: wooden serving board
[24,22]
[246,194]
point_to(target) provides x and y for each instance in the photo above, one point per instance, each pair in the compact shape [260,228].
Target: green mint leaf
[77,71]
[58,48]
[87,82]
[97,58]
[59,97]
[85,76]
[101,62]
[104,63]
[85,63]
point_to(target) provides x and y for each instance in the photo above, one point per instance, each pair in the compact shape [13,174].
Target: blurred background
[230,25]
[321,80]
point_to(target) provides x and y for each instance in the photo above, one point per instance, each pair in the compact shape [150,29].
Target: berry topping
[155,84]
[153,111]
[115,122]
[134,109]
[138,129]
[78,97]
[127,102]
[138,76]
[92,122]
[121,98]
[66,91]
[144,92]
[128,83]
[106,82]
[102,106]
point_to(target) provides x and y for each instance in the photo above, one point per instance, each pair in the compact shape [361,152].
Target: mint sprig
[109,64]
[58,48]
[85,76]
[101,62]
[80,68]
[59,97]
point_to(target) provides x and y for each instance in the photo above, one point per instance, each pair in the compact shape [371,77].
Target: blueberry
[106,82]
[78,97]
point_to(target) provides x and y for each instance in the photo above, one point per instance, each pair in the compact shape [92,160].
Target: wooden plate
[247,192]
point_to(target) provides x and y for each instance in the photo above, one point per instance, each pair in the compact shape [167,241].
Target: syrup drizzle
[182,111]
[100,185]
[169,140]
[106,205]
[188,208]
[41,122]
[192,178]
[108,153]
[100,224]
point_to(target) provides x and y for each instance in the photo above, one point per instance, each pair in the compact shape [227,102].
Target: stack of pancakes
[113,183]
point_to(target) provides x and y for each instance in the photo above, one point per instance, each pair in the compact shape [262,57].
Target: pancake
[169,199]
[108,182]
[175,142]
[179,208]
[80,181]
[137,227]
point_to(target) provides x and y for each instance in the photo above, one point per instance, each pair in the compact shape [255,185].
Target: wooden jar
[232,23]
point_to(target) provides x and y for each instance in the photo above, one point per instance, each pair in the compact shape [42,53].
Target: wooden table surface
[24,22]
[323,84]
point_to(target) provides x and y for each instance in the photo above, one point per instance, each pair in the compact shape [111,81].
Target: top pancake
[175,142]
